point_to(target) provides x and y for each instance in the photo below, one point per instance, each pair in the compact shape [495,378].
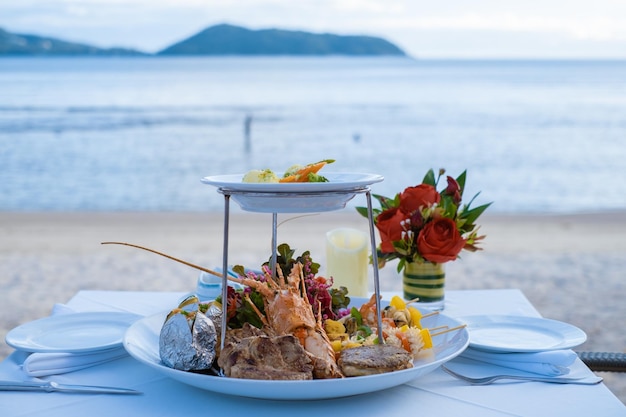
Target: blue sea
[138,134]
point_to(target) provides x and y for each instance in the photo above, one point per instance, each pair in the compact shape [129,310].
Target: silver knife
[55,386]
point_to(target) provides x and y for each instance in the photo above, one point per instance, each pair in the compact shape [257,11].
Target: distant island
[220,39]
[13,44]
[234,40]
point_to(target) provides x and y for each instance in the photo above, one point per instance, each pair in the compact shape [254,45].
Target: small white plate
[521,334]
[303,197]
[142,343]
[337,181]
[72,333]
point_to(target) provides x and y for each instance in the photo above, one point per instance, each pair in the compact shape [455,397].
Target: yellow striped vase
[424,281]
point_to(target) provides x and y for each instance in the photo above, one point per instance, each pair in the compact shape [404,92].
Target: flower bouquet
[424,228]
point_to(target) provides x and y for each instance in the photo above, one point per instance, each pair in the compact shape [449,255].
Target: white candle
[347,259]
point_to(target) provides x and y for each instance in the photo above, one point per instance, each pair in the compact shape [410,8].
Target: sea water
[138,134]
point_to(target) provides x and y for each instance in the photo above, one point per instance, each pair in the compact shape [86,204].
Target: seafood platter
[286,333]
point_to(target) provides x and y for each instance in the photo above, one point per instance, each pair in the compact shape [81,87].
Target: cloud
[415,25]
[593,29]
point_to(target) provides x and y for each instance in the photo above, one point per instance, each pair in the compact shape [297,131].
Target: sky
[422,28]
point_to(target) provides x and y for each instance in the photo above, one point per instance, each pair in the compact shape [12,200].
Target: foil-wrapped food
[189,337]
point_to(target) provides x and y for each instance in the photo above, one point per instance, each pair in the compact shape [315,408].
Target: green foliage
[313,177]
[243,311]
[385,203]
[340,298]
[246,314]
[285,260]
[429,178]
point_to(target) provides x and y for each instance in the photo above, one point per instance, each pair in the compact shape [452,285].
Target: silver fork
[592,380]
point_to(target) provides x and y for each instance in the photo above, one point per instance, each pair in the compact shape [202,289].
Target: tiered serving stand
[295,198]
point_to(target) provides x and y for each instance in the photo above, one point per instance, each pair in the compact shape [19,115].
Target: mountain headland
[234,40]
[222,39]
[13,44]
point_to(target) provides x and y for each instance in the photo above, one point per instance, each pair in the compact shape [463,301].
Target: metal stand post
[225,270]
[370,216]
[274,243]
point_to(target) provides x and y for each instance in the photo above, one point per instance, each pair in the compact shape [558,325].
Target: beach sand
[570,267]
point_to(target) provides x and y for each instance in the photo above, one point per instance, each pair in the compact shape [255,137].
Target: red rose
[454,190]
[412,198]
[389,228]
[440,241]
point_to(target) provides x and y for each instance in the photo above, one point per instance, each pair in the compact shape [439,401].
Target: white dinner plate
[521,334]
[142,343]
[72,333]
[304,197]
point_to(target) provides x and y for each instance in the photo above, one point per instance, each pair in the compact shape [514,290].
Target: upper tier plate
[304,197]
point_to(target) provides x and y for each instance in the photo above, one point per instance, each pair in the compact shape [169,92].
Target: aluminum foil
[188,340]
[215,314]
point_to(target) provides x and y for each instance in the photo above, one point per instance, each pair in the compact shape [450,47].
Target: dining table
[435,394]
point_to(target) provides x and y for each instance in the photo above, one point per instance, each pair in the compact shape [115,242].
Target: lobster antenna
[209,271]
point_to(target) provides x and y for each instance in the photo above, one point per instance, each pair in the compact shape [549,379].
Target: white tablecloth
[436,394]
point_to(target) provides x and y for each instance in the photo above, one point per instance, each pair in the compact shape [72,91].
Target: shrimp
[368,312]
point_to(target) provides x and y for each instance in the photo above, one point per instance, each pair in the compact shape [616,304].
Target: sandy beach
[569,266]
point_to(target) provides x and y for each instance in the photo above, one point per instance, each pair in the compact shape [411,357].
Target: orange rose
[412,198]
[440,241]
[389,228]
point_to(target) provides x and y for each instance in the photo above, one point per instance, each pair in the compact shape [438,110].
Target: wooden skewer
[449,330]
[425,315]
[430,329]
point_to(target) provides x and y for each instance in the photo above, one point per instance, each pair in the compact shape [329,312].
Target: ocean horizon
[138,134]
